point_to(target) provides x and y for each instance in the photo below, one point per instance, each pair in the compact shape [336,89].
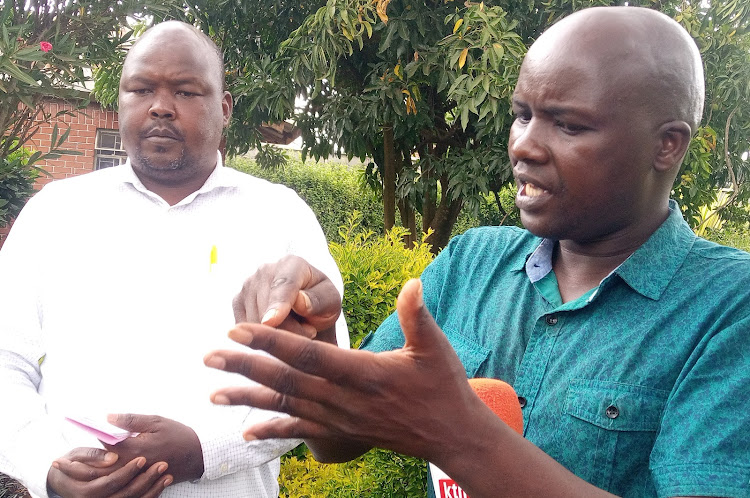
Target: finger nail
[168,481]
[270,315]
[220,399]
[215,362]
[241,335]
[249,436]
[110,457]
[141,462]
[161,468]
[310,330]
[306,298]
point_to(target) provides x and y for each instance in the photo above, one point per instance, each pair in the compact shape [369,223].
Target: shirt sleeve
[29,438]
[703,447]
[226,452]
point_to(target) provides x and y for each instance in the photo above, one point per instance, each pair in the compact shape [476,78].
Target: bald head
[168,29]
[646,57]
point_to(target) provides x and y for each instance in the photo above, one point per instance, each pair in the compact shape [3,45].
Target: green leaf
[16,72]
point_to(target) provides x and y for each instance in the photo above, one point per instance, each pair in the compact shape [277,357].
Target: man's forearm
[29,438]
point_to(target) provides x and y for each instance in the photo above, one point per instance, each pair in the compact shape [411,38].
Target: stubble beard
[164,172]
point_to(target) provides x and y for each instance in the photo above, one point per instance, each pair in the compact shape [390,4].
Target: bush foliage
[374,269]
[332,190]
[16,183]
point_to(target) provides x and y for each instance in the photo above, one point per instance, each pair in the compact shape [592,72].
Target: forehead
[573,71]
[173,55]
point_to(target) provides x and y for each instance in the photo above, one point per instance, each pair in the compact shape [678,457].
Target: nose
[162,106]
[526,142]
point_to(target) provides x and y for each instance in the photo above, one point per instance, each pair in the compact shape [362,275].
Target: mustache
[165,130]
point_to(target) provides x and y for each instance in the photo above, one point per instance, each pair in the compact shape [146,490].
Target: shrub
[734,234]
[333,191]
[377,474]
[374,269]
[16,184]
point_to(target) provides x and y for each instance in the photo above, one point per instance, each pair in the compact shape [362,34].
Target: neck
[172,193]
[581,266]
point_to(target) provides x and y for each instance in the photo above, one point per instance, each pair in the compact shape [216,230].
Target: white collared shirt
[118,296]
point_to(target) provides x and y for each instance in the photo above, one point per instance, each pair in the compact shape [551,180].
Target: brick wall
[82,138]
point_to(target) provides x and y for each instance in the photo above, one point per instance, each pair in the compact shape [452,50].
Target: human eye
[522,115]
[570,128]
[187,93]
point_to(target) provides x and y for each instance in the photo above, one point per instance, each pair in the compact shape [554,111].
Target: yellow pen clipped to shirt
[214,258]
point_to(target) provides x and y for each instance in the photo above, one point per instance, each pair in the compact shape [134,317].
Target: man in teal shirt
[626,337]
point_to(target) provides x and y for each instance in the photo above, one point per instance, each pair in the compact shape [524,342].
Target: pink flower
[45,46]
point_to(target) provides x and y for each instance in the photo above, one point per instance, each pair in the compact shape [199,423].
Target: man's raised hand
[405,400]
[291,295]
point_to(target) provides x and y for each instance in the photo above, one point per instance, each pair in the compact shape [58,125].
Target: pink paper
[104,432]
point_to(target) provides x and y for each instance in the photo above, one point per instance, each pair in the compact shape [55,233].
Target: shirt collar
[539,263]
[652,266]
[648,270]
[219,178]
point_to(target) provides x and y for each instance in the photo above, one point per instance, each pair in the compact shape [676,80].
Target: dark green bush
[333,191]
[16,184]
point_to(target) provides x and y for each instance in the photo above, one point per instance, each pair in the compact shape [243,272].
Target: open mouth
[531,190]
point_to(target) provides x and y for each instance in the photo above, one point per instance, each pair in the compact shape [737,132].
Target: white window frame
[111,155]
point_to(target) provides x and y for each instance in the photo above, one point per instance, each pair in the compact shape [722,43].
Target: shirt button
[551,319]
[522,401]
[224,468]
[612,411]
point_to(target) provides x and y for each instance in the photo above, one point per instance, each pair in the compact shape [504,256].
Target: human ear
[227,104]
[673,141]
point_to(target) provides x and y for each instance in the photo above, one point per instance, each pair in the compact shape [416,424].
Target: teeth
[532,190]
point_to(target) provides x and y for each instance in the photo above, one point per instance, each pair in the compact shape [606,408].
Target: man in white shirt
[147,258]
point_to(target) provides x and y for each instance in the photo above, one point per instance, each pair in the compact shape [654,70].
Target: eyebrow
[555,110]
[176,82]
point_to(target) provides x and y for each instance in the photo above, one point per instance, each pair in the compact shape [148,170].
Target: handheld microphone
[503,401]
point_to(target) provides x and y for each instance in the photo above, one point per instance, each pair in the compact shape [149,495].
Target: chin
[150,163]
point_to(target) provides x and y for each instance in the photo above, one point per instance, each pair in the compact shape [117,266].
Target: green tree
[422,87]
[46,49]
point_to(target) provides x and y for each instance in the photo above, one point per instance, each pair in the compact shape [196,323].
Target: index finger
[300,286]
[312,357]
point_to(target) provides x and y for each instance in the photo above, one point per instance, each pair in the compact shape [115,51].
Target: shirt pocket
[471,353]
[613,422]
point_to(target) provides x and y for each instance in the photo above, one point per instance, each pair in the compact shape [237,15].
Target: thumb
[420,329]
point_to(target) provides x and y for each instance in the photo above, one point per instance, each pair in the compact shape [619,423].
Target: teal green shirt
[641,386]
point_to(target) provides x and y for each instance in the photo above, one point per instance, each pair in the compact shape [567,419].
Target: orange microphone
[503,401]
